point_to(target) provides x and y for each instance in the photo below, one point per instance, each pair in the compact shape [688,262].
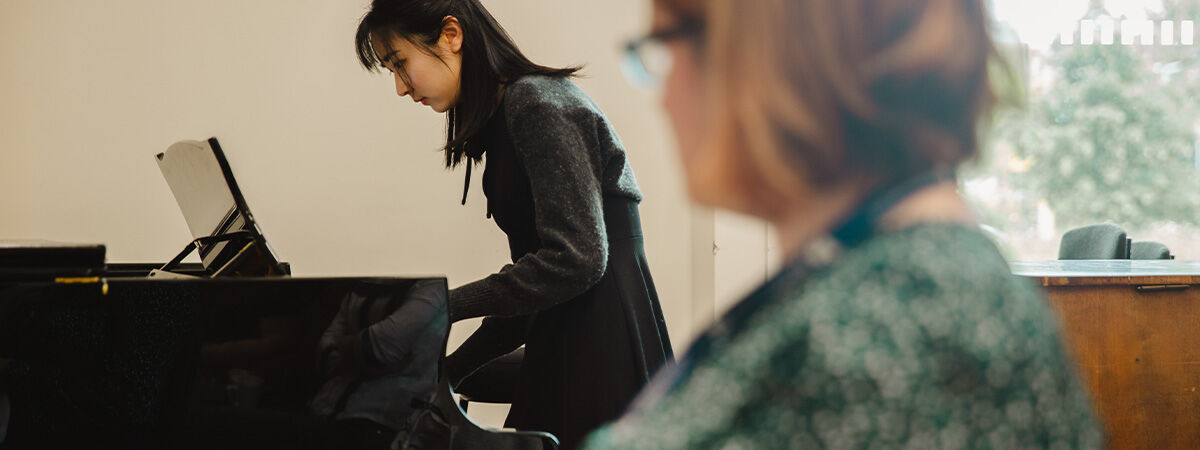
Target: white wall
[745,256]
[732,255]
[343,175]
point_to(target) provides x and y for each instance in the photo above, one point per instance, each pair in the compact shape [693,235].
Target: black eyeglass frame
[681,30]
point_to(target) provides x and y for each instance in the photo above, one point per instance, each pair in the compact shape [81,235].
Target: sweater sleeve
[551,137]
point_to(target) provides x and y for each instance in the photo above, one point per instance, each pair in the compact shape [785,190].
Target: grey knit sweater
[573,158]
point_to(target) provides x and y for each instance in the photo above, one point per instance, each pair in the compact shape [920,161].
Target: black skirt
[586,358]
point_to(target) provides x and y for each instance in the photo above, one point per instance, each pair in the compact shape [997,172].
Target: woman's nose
[401,87]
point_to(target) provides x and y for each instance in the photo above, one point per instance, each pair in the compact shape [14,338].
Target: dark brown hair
[489,59]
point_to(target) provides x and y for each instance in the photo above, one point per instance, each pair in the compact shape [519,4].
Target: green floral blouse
[918,338]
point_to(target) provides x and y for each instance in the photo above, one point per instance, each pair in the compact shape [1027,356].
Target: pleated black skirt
[586,358]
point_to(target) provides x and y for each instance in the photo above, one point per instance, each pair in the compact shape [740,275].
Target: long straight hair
[490,59]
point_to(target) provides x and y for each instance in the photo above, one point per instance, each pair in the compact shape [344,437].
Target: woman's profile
[578,293]
[895,322]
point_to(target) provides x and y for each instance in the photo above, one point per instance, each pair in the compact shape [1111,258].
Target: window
[1107,129]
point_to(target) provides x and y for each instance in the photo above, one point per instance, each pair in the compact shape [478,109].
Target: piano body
[126,362]
[136,355]
[116,359]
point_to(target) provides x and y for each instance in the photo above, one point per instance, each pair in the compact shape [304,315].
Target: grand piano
[150,356]
[115,359]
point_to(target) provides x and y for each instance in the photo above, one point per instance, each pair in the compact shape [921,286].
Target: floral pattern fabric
[919,338]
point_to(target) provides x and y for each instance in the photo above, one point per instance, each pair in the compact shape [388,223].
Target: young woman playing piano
[578,293]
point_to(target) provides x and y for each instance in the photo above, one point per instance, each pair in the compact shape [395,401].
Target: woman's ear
[452,35]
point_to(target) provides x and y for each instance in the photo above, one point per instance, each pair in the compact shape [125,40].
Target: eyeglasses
[648,61]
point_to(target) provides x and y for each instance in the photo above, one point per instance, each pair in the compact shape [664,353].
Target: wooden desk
[1134,330]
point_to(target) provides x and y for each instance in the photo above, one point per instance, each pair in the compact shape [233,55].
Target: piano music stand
[225,234]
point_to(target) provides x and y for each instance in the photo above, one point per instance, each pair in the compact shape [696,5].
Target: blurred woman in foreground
[895,323]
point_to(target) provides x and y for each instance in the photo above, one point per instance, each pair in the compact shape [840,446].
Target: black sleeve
[496,337]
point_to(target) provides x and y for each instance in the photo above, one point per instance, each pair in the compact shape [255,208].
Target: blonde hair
[831,89]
